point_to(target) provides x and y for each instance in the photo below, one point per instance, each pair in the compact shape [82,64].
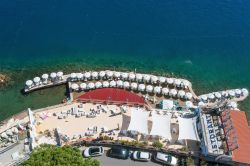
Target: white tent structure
[231,93]
[53,76]
[149,88]
[157,89]
[173,92]
[181,93]
[87,75]
[79,76]
[238,92]
[29,83]
[211,96]
[98,84]
[94,75]
[165,91]
[189,96]
[91,85]
[141,87]
[224,93]
[217,95]
[124,76]
[74,86]
[131,76]
[112,83]
[72,76]
[177,82]
[102,74]
[105,84]
[109,74]
[233,105]
[188,129]
[161,126]
[139,121]
[138,77]
[244,92]
[186,83]
[126,85]
[134,86]
[36,80]
[119,83]
[203,98]
[189,104]
[162,80]
[146,78]
[83,86]
[154,79]
[167,104]
[170,81]
[32,123]
[201,104]
[59,75]
[117,74]
[45,78]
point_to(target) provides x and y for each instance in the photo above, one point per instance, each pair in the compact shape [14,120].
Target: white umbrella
[217,95]
[105,84]
[181,93]
[203,97]
[117,74]
[109,74]
[98,84]
[124,76]
[36,80]
[201,104]
[170,80]
[4,135]
[94,75]
[189,95]
[173,92]
[72,75]
[162,80]
[91,85]
[141,87]
[189,104]
[131,76]
[74,86]
[59,74]
[79,76]
[224,93]
[231,93]
[186,83]
[146,78]
[29,83]
[87,75]
[83,86]
[138,77]
[211,96]
[238,92]
[165,91]
[9,132]
[157,89]
[14,130]
[53,75]
[233,104]
[102,74]
[134,85]
[119,83]
[177,82]
[126,84]
[112,83]
[244,92]
[149,88]
[154,79]
[45,76]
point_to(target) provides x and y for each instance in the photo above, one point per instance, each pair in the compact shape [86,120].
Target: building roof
[239,121]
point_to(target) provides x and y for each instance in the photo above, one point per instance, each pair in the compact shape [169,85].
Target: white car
[93,151]
[165,159]
[141,156]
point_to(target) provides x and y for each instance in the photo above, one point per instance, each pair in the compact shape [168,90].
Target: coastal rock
[4,80]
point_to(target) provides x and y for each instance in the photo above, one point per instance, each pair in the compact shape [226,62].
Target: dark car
[119,152]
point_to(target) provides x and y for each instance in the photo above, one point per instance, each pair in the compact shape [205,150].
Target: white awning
[188,129]
[139,121]
[161,126]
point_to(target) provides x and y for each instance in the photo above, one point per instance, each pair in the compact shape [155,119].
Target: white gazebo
[105,84]
[102,74]
[131,76]
[161,126]
[211,96]
[126,85]
[181,93]
[72,76]
[162,80]
[79,76]
[217,95]
[117,74]
[94,75]
[146,78]
[59,75]
[45,78]
[173,92]
[224,93]
[83,86]
[74,87]
[139,77]
[109,74]
[98,84]
[119,83]
[124,76]
[139,121]
[149,88]
[170,81]
[187,129]
[203,98]
[29,83]
[165,91]
[188,96]
[177,82]
[36,80]
[141,87]
[91,85]
[154,79]
[244,92]
[134,86]
[186,83]
[238,92]
[231,93]
[157,89]
[112,83]
[87,75]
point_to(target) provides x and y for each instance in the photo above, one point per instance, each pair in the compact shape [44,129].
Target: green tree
[46,155]
[157,144]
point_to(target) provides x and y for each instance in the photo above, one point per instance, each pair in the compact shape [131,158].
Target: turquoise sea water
[207,42]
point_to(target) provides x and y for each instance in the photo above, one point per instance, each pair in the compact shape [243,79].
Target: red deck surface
[242,153]
[112,95]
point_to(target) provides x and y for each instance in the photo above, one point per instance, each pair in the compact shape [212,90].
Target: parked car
[165,159]
[119,152]
[141,156]
[93,151]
